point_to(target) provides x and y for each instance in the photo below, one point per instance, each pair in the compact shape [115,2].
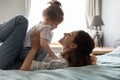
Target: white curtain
[93,7]
[74,15]
[27,8]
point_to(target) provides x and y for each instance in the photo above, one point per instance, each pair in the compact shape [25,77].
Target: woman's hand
[35,43]
[35,39]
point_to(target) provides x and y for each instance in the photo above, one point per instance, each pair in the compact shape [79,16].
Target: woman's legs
[20,58]
[12,35]
[39,55]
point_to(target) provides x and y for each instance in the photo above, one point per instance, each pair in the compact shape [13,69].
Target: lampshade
[96,21]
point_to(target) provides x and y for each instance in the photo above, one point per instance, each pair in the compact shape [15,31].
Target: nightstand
[101,51]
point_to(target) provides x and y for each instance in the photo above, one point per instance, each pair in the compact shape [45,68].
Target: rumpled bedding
[107,68]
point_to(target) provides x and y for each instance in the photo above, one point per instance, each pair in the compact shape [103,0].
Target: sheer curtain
[27,8]
[74,16]
[93,7]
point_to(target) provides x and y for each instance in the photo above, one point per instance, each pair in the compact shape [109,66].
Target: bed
[107,68]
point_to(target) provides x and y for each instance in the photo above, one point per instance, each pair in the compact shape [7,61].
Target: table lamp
[97,22]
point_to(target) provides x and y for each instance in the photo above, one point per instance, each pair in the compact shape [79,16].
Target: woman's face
[68,38]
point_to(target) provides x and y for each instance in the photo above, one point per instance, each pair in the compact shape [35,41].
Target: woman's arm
[35,37]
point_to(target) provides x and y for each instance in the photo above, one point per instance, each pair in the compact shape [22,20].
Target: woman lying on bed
[77,47]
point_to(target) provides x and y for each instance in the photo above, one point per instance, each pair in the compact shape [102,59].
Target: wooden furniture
[96,51]
[101,51]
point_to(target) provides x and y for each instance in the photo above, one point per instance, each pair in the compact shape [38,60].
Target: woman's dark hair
[80,56]
[54,11]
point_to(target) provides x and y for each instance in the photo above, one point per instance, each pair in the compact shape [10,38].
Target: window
[74,16]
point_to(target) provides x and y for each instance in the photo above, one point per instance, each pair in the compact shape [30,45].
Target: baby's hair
[54,12]
[55,3]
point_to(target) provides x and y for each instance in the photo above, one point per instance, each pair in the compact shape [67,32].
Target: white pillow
[110,59]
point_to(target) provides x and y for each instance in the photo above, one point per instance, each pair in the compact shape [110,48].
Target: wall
[111,18]
[10,8]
